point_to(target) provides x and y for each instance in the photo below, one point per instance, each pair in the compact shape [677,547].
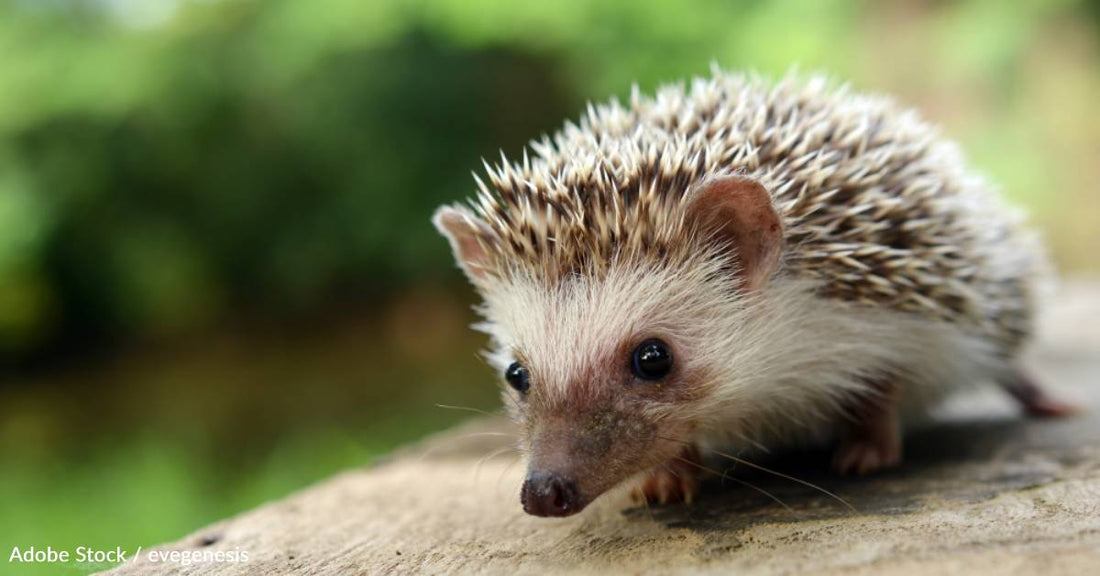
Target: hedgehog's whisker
[739,481]
[699,466]
[787,477]
[770,471]
[754,443]
[474,434]
[764,492]
[466,408]
[434,449]
[493,454]
[515,460]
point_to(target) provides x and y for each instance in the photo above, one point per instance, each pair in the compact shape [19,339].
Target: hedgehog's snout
[550,494]
[576,455]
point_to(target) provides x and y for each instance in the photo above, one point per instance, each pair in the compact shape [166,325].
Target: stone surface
[982,491]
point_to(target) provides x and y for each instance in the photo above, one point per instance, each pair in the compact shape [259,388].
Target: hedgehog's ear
[462,228]
[739,212]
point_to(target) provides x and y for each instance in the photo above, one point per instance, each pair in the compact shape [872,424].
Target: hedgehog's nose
[549,494]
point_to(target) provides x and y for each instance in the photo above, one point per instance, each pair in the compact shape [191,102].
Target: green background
[218,282]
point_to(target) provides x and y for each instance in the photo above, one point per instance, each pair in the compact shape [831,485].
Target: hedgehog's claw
[1036,400]
[871,441]
[867,455]
[676,481]
[664,487]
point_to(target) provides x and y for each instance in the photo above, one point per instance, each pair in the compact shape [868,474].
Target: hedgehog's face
[608,373]
[604,374]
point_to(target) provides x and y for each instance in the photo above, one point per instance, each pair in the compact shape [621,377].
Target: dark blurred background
[218,282]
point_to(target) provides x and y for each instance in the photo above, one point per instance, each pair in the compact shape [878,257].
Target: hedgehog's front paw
[675,481]
[870,438]
[867,454]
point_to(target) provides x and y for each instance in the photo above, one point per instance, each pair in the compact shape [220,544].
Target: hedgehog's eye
[652,360]
[517,377]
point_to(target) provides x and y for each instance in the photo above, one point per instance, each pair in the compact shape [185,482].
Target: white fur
[779,364]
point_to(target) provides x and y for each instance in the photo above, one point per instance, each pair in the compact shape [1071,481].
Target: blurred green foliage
[244,158]
[165,164]
[227,201]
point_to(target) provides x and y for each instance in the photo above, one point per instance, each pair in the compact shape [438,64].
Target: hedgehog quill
[736,263]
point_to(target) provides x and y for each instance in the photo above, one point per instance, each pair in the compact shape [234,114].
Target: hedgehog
[733,265]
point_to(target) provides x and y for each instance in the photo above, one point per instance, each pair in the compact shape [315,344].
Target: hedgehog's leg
[675,481]
[1036,400]
[870,438]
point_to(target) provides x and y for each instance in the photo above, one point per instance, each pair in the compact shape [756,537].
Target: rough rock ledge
[982,491]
